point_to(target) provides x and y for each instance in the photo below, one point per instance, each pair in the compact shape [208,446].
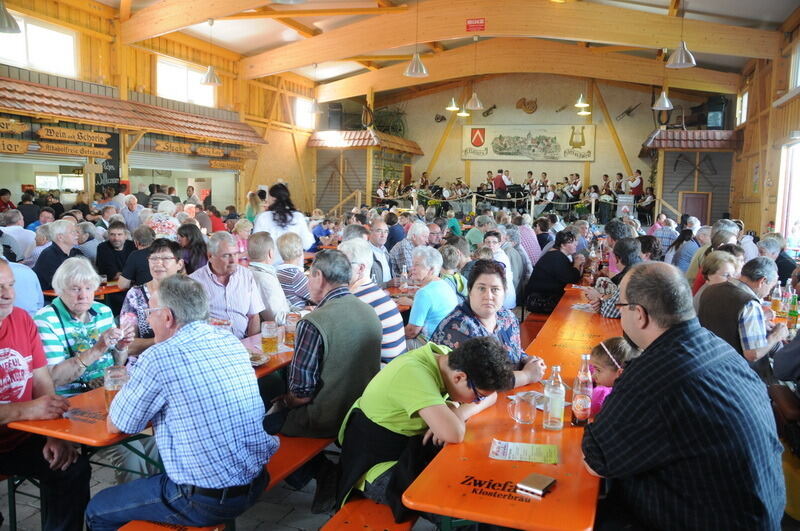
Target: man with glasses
[403,416]
[381,270]
[688,435]
[232,292]
[434,235]
[197,388]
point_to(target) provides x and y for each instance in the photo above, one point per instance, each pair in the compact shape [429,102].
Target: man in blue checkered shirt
[687,438]
[197,388]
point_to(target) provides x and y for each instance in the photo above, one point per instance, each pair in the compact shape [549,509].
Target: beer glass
[291,326]
[113,380]
[269,337]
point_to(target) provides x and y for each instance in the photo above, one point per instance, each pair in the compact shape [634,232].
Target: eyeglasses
[160,259]
[629,304]
[478,396]
[380,231]
[149,311]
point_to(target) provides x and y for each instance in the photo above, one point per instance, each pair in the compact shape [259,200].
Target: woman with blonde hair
[254,207]
[241,231]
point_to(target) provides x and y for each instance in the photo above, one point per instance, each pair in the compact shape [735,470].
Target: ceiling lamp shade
[584,112]
[581,103]
[315,107]
[463,113]
[415,68]
[662,103]
[681,58]
[7,23]
[211,78]
[453,106]
[474,103]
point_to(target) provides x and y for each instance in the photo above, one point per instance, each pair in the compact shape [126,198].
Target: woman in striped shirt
[79,336]
[290,273]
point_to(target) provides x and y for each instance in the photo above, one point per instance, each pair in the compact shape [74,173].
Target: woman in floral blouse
[482,314]
[164,261]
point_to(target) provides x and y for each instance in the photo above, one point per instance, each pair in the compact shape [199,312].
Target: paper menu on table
[532,453]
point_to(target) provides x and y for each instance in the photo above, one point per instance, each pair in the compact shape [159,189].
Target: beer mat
[583,306]
[531,453]
[539,406]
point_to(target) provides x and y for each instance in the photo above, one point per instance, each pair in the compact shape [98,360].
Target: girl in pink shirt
[608,359]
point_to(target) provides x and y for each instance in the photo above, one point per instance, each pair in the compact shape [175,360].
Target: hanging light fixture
[584,112]
[315,108]
[474,103]
[681,57]
[462,113]
[7,22]
[211,78]
[415,68]
[453,106]
[581,103]
[662,103]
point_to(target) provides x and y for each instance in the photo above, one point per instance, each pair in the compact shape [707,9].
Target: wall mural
[528,142]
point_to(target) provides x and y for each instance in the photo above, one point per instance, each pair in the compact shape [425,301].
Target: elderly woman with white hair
[78,333]
[434,300]
[163,222]
[401,253]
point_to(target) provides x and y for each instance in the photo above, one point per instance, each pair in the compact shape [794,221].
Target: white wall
[551,92]
[13,175]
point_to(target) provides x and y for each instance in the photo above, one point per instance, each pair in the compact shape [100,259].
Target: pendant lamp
[681,57]
[581,103]
[584,112]
[415,68]
[211,78]
[453,106]
[8,23]
[462,113]
[662,103]
[474,103]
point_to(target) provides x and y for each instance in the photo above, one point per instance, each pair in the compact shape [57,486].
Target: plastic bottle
[582,394]
[791,321]
[554,394]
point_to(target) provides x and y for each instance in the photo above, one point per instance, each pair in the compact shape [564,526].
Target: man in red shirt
[27,393]
[500,184]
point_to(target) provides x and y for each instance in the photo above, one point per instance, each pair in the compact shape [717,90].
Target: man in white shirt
[131,212]
[381,269]
[14,226]
[261,251]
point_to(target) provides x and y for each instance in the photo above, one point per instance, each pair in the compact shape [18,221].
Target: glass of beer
[269,337]
[114,378]
[291,326]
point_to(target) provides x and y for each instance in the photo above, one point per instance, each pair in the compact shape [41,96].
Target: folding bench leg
[12,504]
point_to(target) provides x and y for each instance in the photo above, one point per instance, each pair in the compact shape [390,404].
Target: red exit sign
[476,24]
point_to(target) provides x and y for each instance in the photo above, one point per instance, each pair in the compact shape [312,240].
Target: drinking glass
[291,326]
[269,337]
[522,407]
[113,380]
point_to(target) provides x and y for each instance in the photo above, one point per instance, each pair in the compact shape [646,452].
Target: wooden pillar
[370,164]
[120,52]
[587,166]
[696,171]
[659,188]
[341,178]
[612,130]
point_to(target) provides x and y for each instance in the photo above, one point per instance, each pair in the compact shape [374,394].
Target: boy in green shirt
[424,396]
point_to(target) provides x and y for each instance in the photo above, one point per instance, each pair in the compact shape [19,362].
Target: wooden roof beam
[369,65]
[167,16]
[299,27]
[577,21]
[504,56]
[268,12]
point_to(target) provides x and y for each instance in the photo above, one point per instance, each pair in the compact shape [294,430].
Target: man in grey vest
[337,352]
[732,310]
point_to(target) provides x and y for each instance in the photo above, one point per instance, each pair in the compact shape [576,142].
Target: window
[741,108]
[40,46]
[794,69]
[55,181]
[183,82]
[303,115]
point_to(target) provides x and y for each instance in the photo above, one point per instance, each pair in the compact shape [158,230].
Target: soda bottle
[582,394]
[554,393]
[791,321]
[404,278]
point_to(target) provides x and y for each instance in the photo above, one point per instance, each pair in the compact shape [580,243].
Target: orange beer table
[462,482]
[86,422]
[99,294]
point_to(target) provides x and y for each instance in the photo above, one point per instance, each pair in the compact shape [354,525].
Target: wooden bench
[366,515]
[293,453]
[529,328]
[139,525]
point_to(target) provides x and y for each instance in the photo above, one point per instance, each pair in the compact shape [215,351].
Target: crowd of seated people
[452,338]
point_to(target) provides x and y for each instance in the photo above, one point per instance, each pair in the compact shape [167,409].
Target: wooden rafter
[267,12]
[398,57]
[577,21]
[299,27]
[167,16]
[369,65]
[436,46]
[505,56]
[674,8]
[125,10]
[433,88]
